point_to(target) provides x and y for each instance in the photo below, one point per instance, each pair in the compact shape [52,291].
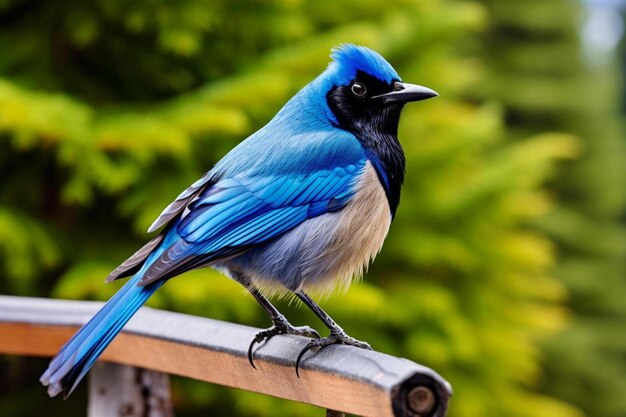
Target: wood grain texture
[341,378]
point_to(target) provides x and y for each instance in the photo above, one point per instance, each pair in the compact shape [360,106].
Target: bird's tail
[78,355]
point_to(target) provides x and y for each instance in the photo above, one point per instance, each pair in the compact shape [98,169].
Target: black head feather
[375,124]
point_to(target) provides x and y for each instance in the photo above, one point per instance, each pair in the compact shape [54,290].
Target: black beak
[404,93]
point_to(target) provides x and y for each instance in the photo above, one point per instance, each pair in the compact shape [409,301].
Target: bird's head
[364,92]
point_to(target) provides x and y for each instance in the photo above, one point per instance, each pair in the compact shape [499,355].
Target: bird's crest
[348,59]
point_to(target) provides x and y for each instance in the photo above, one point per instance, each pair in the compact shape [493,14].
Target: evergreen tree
[537,70]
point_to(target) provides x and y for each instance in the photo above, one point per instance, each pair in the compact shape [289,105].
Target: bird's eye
[358,89]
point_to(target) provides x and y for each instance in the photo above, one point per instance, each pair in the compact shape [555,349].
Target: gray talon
[335,338]
[280,327]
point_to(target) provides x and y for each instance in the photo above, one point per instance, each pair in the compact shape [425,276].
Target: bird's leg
[337,334]
[281,325]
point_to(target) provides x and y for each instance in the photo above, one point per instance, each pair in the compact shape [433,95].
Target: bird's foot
[281,326]
[337,336]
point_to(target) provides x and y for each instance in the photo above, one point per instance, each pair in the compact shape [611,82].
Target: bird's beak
[404,93]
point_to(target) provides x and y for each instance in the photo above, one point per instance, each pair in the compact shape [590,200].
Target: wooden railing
[156,343]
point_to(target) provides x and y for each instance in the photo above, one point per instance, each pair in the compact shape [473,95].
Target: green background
[504,268]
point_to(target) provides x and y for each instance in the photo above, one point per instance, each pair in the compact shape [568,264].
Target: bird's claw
[335,337]
[279,327]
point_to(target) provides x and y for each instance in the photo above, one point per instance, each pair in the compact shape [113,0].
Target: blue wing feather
[236,214]
[246,207]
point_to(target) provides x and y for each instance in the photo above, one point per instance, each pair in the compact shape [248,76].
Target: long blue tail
[78,355]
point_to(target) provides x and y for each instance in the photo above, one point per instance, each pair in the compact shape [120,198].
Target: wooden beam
[341,378]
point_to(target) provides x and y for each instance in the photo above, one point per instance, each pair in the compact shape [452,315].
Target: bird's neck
[377,131]
[385,152]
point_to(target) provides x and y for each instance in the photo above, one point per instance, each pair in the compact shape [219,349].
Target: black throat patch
[375,125]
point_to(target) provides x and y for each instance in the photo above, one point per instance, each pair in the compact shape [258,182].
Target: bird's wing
[179,204]
[239,212]
[176,207]
[133,264]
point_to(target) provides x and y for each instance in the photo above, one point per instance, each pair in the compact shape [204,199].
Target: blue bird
[304,203]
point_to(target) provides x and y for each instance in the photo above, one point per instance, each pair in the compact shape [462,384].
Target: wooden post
[125,391]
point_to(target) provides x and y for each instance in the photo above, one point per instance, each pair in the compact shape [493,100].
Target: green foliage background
[504,267]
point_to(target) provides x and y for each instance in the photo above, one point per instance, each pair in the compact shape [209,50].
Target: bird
[303,204]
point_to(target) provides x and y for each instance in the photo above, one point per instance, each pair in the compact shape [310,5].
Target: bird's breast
[326,252]
[356,238]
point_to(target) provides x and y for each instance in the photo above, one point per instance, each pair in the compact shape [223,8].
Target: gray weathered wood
[342,378]
[124,391]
